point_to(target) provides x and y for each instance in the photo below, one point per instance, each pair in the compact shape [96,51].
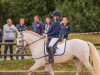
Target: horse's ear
[18,32]
[21,33]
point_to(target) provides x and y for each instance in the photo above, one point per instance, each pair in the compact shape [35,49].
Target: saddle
[55,45]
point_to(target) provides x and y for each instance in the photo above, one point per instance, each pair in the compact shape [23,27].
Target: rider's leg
[50,51]
[53,41]
[51,56]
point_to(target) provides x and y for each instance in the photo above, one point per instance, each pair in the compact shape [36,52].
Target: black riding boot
[51,56]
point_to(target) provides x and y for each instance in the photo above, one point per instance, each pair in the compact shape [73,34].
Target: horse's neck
[36,47]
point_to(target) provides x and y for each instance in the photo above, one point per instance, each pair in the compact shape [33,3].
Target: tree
[84,14]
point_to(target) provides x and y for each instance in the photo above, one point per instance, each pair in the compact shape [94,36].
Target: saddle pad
[60,50]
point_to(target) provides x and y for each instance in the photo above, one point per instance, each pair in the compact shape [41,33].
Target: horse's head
[27,38]
[20,41]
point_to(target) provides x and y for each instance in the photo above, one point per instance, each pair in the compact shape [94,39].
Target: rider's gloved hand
[44,35]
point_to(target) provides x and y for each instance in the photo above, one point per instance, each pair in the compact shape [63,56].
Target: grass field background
[68,66]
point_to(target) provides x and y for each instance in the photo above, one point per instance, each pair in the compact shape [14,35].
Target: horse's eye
[19,41]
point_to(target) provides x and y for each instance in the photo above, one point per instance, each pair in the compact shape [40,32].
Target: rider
[54,34]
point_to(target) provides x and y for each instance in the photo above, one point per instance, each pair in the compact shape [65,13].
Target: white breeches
[53,41]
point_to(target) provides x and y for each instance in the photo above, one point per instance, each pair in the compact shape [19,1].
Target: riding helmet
[56,13]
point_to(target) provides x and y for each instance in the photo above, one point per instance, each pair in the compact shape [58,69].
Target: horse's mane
[32,33]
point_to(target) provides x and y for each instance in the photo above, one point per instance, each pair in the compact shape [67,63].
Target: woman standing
[65,28]
[47,24]
[37,25]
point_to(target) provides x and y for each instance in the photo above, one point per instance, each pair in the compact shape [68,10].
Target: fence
[12,54]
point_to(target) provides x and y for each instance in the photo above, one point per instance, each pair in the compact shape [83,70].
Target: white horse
[78,49]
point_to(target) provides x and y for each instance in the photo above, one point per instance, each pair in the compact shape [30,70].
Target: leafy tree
[84,14]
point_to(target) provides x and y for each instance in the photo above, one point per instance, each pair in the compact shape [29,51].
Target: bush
[84,14]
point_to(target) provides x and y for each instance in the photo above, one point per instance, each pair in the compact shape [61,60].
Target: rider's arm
[56,30]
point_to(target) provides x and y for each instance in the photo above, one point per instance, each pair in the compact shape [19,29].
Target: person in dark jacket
[47,25]
[1,34]
[54,34]
[37,26]
[21,27]
[65,28]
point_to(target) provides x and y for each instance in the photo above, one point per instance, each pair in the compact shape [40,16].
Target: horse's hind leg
[78,65]
[89,67]
[35,67]
[49,69]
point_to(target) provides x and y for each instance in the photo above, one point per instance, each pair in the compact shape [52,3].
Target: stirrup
[51,60]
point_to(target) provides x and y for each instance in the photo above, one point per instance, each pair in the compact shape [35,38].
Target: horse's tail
[95,57]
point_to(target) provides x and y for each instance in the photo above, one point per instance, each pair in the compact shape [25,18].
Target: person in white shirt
[8,30]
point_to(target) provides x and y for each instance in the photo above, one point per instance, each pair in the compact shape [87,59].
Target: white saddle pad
[60,50]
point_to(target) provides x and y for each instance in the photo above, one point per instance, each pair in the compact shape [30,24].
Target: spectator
[65,28]
[21,27]
[9,36]
[37,26]
[47,25]
[0,40]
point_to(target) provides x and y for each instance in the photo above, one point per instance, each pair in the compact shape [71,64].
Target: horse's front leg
[35,67]
[49,69]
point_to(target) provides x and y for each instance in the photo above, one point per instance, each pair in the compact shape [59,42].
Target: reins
[33,42]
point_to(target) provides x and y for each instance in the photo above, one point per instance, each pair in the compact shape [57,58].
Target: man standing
[9,36]
[37,26]
[54,34]
[21,27]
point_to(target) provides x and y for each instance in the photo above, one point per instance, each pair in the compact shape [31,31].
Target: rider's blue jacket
[54,30]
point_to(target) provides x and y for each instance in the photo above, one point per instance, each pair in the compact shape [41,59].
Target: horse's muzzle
[19,47]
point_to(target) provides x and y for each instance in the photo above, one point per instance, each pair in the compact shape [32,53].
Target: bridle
[27,44]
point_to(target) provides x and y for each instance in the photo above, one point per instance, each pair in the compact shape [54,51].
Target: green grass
[93,38]
[26,64]
[68,66]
